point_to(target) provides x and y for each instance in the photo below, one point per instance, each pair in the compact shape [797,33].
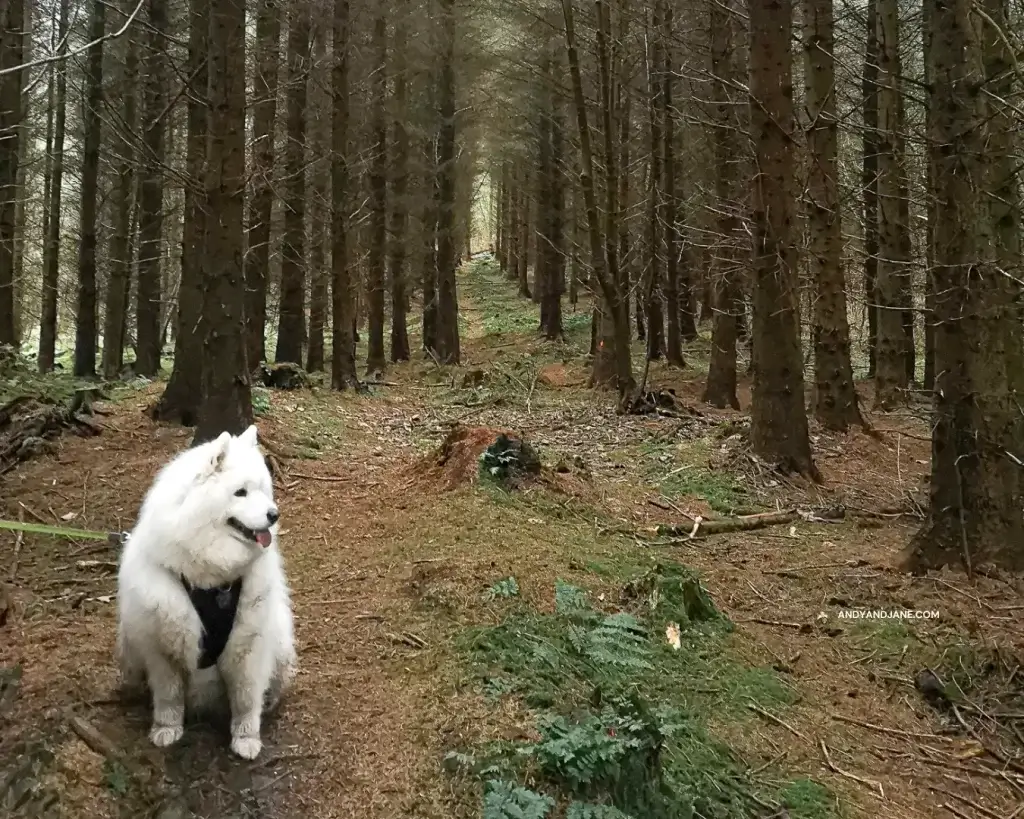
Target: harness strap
[216,609]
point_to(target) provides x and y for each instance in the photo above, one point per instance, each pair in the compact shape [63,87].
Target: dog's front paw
[247,747]
[164,735]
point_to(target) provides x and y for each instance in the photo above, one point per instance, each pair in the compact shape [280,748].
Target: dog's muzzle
[261,536]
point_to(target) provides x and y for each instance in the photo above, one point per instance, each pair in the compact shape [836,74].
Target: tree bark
[605,367]
[291,327]
[976,478]
[85,324]
[257,259]
[182,398]
[778,423]
[400,192]
[343,313]
[835,394]
[720,389]
[320,148]
[12,41]
[151,201]
[609,288]
[447,347]
[227,398]
[894,270]
[120,250]
[869,181]
[376,261]
[49,319]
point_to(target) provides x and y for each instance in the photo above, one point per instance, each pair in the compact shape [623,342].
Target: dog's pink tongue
[264,538]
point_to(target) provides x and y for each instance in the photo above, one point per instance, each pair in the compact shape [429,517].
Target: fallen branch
[327,478]
[91,736]
[836,769]
[771,717]
[719,526]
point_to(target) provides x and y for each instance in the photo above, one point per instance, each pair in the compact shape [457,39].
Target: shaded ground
[390,568]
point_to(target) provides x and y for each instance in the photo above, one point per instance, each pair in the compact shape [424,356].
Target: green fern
[504,800]
[509,587]
[581,754]
[582,810]
[569,598]
[619,640]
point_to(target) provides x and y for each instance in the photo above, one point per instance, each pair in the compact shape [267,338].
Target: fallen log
[28,427]
[717,526]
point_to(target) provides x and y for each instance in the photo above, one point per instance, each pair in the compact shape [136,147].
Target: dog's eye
[241,493]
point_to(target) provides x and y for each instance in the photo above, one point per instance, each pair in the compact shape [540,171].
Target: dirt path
[389,570]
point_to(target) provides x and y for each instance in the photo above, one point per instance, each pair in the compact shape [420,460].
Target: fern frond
[503,800]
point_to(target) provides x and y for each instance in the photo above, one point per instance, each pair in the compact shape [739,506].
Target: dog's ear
[220,451]
[250,437]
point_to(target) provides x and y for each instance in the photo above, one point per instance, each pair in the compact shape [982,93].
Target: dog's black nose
[272,516]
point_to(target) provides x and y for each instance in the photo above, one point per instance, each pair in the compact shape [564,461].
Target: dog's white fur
[183,531]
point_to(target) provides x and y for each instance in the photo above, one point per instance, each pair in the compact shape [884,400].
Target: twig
[769,716]
[764,622]
[795,569]
[966,801]
[993,752]
[958,813]
[883,730]
[836,769]
[668,506]
[327,478]
[17,547]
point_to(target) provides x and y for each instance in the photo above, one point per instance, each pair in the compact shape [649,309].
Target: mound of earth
[467,451]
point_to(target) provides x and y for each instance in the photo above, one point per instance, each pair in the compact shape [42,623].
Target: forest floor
[453,634]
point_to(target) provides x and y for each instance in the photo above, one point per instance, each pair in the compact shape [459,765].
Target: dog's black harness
[216,609]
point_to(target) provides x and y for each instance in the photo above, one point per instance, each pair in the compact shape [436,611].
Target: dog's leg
[247,685]
[168,686]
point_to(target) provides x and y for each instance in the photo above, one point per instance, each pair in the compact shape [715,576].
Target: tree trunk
[681,326]
[376,261]
[21,182]
[319,106]
[835,394]
[976,479]
[523,241]
[869,181]
[12,41]
[291,327]
[677,293]
[85,324]
[115,318]
[893,278]
[553,238]
[343,313]
[652,279]
[151,203]
[720,389]
[429,276]
[778,423]
[49,320]
[605,368]
[400,192]
[616,307]
[257,259]
[227,398]
[447,347]
[182,398]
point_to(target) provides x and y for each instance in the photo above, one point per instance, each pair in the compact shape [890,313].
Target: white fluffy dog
[203,604]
